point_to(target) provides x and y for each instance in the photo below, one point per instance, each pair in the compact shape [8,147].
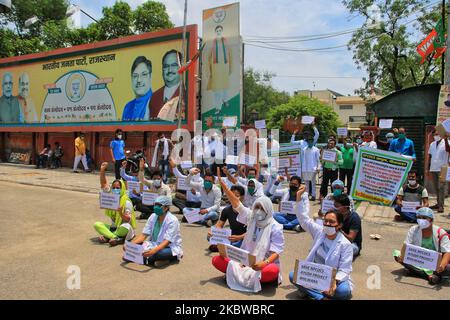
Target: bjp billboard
[132,80]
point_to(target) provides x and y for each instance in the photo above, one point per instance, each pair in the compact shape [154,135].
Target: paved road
[43,231]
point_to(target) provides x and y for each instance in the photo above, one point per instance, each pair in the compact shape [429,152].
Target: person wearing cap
[338,188]
[384,145]
[412,191]
[253,189]
[428,236]
[161,235]
[351,226]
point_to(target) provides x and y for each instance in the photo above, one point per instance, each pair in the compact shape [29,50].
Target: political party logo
[75,87]
[219,15]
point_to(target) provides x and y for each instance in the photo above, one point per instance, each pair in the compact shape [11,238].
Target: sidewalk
[65,179]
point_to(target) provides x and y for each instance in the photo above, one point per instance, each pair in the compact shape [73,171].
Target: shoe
[435,207]
[434,279]
[298,228]
[213,248]
[313,198]
[398,218]
[161,263]
[102,239]
[75,171]
[440,210]
[184,219]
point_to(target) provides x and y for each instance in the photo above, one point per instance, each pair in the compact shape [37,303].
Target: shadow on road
[400,274]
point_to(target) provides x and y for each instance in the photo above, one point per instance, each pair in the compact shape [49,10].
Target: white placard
[260,124]
[284,163]
[247,160]
[313,276]
[385,123]
[133,252]
[192,215]
[237,254]
[181,184]
[133,185]
[220,235]
[342,132]
[109,200]
[307,120]
[446,125]
[229,121]
[329,155]
[232,160]
[148,198]
[327,205]
[186,164]
[287,207]
[421,257]
[410,206]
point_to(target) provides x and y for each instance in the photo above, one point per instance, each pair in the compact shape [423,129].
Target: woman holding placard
[264,240]
[431,237]
[123,220]
[330,248]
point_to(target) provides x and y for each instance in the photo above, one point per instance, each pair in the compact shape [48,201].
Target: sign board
[342,132]
[284,163]
[314,276]
[421,257]
[260,124]
[329,155]
[287,207]
[237,254]
[133,252]
[385,123]
[220,235]
[148,198]
[410,206]
[307,120]
[109,200]
[229,122]
[446,125]
[286,152]
[192,215]
[181,184]
[232,160]
[133,185]
[443,110]
[247,159]
[19,157]
[327,205]
[186,164]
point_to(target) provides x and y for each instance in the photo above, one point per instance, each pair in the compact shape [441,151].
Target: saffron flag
[191,63]
[434,42]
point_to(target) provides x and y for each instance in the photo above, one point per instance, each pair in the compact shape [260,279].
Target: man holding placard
[428,236]
[331,159]
[303,142]
[403,145]
[310,162]
[348,165]
[411,197]
[123,221]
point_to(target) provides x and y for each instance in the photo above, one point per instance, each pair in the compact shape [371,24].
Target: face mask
[412,182]
[437,138]
[401,136]
[158,210]
[251,176]
[310,145]
[115,191]
[358,141]
[423,223]
[293,188]
[157,183]
[348,145]
[251,190]
[119,136]
[329,231]
[207,185]
[337,192]
[260,215]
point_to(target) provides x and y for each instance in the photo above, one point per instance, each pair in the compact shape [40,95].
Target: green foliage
[259,94]
[116,22]
[151,16]
[388,53]
[327,120]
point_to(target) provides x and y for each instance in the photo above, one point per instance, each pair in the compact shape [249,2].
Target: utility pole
[183,62]
[447,55]
[443,64]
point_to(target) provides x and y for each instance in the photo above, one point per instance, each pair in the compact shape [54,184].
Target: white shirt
[370,144]
[310,159]
[439,157]
[189,195]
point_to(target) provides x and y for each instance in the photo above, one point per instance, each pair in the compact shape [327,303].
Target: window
[346,107]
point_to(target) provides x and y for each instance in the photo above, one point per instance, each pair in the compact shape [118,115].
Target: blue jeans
[408,216]
[163,254]
[289,221]
[164,168]
[343,291]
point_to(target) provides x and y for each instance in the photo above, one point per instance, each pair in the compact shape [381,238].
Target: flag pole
[445,53]
[183,62]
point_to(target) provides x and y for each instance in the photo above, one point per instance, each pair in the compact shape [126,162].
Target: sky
[280,18]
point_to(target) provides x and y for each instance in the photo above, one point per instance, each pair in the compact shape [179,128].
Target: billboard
[443,112]
[130,80]
[221,66]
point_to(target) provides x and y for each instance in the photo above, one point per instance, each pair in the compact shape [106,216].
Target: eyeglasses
[136,76]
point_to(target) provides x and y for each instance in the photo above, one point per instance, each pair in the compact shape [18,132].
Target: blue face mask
[115,191]
[337,192]
[158,210]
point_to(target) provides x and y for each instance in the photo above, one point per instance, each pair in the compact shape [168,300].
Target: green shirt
[428,243]
[334,166]
[156,229]
[347,156]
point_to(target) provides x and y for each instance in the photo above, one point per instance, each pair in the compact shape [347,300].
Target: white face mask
[412,182]
[423,223]
[437,138]
[329,231]
[260,215]
[119,136]
[157,183]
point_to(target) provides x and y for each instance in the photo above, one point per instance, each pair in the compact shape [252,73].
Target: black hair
[342,199]
[339,216]
[208,174]
[412,172]
[56,143]
[139,60]
[156,173]
[239,189]
[219,26]
[178,53]
[117,180]
[118,130]
[251,169]
[299,180]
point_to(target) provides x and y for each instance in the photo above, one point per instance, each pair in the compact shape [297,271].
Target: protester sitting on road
[163,232]
[253,188]
[186,198]
[252,173]
[411,191]
[123,220]
[210,195]
[229,214]
[351,226]
[338,188]
[288,221]
[155,185]
[330,247]
[428,236]
[264,239]
[43,157]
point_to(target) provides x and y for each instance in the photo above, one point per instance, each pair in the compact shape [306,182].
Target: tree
[259,94]
[326,119]
[388,53]
[116,22]
[151,16]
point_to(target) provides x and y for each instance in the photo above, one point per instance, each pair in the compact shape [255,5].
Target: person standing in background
[80,154]
[348,165]
[117,147]
[438,158]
